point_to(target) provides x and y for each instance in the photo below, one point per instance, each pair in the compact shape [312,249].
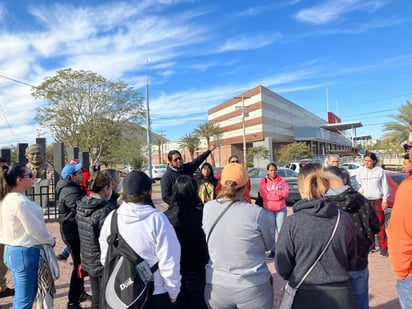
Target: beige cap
[235,172]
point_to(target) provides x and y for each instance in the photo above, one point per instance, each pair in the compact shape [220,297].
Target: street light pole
[149,133]
[244,128]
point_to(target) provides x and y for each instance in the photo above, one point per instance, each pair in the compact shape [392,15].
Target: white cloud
[249,42]
[332,10]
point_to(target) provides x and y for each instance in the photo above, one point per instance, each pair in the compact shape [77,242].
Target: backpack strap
[115,239]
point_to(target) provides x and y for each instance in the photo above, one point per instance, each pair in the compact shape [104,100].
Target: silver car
[291,177]
[158,170]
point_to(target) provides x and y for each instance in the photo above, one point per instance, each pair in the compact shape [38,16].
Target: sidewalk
[382,290]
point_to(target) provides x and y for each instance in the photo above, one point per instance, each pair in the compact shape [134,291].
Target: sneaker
[85,297]
[73,306]
[7,292]
[61,257]
[271,255]
[373,250]
[384,253]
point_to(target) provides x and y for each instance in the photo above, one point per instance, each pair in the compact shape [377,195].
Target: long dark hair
[211,176]
[185,195]
[8,177]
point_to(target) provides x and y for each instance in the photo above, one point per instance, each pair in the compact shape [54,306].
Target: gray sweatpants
[261,297]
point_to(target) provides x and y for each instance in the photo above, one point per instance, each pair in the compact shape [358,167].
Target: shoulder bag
[289,292]
[217,220]
[259,200]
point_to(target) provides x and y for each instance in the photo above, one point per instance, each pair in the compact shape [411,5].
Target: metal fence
[43,194]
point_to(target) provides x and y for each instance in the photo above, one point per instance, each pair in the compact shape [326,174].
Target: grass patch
[156,187]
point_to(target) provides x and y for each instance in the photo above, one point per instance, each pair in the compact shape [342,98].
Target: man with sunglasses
[399,237]
[176,168]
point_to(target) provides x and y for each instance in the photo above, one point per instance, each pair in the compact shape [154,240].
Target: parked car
[126,169]
[351,167]
[297,165]
[394,180]
[158,170]
[217,171]
[291,177]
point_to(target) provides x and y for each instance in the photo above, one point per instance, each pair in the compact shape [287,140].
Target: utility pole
[162,135]
[244,127]
[149,133]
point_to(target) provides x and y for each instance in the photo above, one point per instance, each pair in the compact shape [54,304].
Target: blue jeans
[23,263]
[279,218]
[360,287]
[404,288]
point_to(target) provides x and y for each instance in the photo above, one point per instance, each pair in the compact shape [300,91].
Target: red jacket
[274,192]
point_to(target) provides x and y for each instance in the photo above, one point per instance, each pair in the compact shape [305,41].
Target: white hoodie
[373,183]
[150,234]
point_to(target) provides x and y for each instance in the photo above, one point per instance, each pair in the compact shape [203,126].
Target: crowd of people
[212,245]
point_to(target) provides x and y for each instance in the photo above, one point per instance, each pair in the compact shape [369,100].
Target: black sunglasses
[406,147]
[28,175]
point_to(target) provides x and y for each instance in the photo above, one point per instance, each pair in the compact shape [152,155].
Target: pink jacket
[274,193]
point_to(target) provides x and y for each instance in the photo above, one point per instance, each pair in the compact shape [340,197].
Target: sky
[350,57]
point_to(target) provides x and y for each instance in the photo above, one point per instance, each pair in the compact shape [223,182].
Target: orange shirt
[400,231]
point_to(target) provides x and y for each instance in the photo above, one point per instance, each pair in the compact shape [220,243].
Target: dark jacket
[366,222]
[68,193]
[113,200]
[302,238]
[169,178]
[90,216]
[194,253]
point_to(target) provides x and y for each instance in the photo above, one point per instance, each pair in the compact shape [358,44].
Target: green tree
[259,152]
[86,110]
[190,142]
[127,151]
[398,130]
[208,130]
[293,151]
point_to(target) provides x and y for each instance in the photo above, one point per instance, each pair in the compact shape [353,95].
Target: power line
[17,81]
[379,99]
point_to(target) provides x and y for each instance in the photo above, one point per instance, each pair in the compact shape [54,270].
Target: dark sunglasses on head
[406,147]
[28,175]
[177,159]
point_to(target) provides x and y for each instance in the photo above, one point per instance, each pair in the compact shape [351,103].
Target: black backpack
[127,278]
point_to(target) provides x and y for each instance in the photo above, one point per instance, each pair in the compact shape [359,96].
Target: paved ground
[382,292]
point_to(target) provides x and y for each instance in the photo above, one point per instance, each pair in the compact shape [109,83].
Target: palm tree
[398,131]
[189,142]
[158,142]
[208,130]
[258,152]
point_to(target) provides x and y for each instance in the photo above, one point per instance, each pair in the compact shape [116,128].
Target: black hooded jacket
[364,217]
[169,178]
[90,216]
[68,193]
